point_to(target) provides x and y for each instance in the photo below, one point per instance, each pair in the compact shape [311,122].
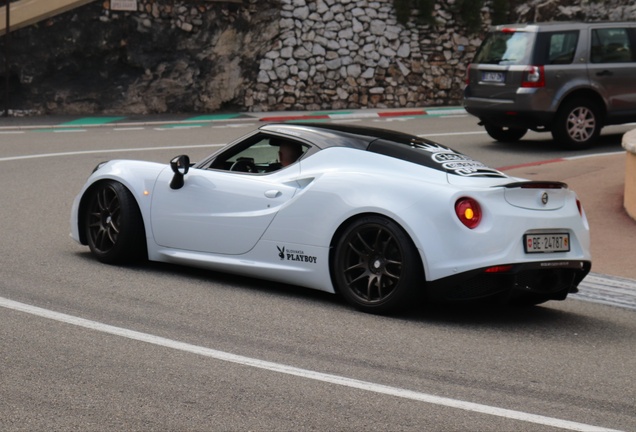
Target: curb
[23,123]
[343,115]
[361,114]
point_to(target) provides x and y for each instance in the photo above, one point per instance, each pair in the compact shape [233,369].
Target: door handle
[273,193]
[605,72]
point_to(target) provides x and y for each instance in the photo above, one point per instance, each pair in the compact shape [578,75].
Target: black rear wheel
[113,223]
[577,124]
[376,266]
[505,134]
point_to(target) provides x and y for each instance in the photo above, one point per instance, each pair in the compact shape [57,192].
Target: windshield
[505,48]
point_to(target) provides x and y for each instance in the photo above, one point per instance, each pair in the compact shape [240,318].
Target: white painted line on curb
[302,373]
[586,156]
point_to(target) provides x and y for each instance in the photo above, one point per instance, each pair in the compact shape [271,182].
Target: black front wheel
[114,227]
[376,266]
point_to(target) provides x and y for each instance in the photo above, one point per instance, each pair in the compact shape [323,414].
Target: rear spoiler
[536,184]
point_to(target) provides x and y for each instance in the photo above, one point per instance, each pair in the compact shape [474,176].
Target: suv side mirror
[180,166]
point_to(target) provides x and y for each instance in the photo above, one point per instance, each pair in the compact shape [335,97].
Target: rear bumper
[527,120]
[550,279]
[528,109]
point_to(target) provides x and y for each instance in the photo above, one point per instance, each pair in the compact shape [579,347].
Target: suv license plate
[497,77]
[546,243]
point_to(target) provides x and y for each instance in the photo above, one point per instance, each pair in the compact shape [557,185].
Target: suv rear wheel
[577,124]
[505,134]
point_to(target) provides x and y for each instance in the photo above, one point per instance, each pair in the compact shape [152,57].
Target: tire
[114,228]
[376,266]
[577,124]
[505,134]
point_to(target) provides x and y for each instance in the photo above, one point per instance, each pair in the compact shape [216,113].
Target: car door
[612,67]
[218,211]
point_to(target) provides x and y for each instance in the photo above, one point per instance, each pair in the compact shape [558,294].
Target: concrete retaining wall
[629,144]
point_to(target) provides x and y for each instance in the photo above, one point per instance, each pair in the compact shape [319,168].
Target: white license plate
[546,243]
[497,77]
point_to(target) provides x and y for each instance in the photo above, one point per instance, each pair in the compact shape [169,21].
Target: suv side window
[562,47]
[611,45]
[556,47]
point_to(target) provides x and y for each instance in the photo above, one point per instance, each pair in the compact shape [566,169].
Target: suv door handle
[606,72]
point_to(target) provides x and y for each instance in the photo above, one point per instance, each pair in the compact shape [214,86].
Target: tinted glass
[505,48]
[611,45]
[561,47]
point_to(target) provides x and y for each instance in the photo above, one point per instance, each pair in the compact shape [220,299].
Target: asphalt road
[86,346]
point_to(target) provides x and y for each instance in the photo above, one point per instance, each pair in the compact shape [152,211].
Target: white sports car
[373,214]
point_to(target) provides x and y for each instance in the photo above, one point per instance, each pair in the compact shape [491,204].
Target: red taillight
[468,211]
[579,206]
[498,269]
[533,76]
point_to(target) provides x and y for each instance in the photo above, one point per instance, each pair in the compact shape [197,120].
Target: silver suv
[567,78]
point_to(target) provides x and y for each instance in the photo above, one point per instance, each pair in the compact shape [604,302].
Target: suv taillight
[533,76]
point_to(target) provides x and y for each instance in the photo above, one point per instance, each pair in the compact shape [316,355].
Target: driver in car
[288,151]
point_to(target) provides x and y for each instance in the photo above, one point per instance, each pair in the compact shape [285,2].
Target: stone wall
[261,55]
[353,53]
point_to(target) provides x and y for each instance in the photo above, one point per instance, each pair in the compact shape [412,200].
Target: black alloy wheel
[113,223]
[376,266]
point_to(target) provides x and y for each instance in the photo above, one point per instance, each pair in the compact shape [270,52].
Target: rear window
[505,48]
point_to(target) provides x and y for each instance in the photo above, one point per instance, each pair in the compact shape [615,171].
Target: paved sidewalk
[599,183]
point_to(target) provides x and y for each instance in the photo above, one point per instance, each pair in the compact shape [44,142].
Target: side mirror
[180,166]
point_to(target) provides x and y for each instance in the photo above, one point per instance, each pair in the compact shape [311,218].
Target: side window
[261,154]
[611,45]
[562,47]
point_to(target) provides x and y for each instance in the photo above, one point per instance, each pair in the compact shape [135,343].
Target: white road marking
[303,373]
[226,126]
[124,150]
[177,127]
[608,290]
[586,156]
[452,134]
